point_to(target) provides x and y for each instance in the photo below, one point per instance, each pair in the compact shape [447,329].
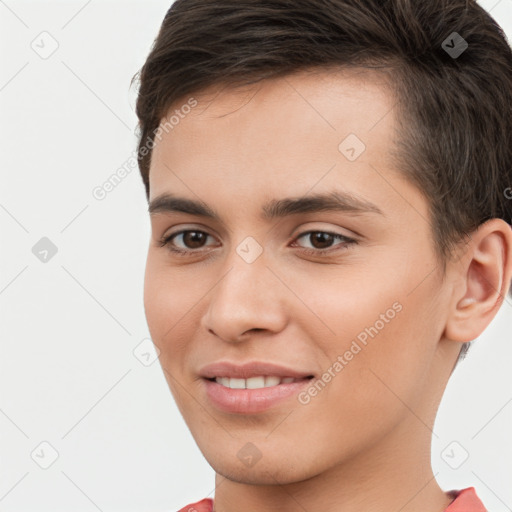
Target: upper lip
[248,370]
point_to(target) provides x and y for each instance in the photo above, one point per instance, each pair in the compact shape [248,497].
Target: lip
[250,369]
[251,401]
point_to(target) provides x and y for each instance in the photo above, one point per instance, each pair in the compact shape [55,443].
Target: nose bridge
[245,297]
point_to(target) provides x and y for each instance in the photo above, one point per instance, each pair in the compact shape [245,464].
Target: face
[348,292]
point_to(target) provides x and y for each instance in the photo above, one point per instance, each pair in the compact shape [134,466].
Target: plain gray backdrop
[87,421]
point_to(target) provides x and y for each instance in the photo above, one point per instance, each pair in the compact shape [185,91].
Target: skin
[363,443]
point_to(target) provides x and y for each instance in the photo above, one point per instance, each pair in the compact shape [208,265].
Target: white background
[69,327]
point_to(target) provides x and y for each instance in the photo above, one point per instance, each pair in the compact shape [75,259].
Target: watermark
[146,352]
[249,249]
[455,455]
[454,45]
[352,147]
[319,384]
[44,455]
[508,192]
[100,192]
[44,250]
[249,454]
[45,45]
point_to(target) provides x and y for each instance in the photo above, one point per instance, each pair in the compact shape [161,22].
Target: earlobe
[484,274]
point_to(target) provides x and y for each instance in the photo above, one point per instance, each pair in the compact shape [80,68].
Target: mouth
[254,395]
[252,387]
[256,382]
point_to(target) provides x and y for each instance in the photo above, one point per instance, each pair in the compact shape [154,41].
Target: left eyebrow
[275,208]
[331,201]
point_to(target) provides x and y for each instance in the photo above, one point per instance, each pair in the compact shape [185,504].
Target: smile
[257,382]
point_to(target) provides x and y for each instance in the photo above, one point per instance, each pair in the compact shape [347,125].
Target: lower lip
[250,401]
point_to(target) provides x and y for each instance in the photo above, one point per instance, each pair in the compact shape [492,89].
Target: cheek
[364,400]
[167,303]
[381,347]
[167,300]
[156,300]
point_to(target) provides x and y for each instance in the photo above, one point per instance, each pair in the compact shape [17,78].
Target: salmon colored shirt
[465,500]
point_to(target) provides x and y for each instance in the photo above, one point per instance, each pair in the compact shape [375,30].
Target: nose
[247,298]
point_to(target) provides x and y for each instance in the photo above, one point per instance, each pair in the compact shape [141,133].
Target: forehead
[283,132]
[338,99]
[329,82]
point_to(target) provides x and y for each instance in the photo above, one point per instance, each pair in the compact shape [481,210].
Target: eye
[193,241]
[322,242]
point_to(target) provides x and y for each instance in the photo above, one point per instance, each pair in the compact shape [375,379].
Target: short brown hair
[454,110]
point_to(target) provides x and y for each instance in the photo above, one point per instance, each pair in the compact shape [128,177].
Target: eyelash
[348,242]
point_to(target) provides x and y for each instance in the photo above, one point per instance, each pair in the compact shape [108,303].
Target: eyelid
[337,230]
[325,231]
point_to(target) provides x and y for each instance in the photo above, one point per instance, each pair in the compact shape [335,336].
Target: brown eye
[190,241]
[322,241]
[193,239]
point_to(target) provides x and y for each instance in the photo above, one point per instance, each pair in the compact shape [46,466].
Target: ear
[482,280]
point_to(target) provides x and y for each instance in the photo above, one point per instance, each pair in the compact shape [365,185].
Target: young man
[330,202]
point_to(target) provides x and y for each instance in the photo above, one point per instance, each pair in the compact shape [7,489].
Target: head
[244,103]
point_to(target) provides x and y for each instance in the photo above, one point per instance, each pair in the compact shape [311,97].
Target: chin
[271,469]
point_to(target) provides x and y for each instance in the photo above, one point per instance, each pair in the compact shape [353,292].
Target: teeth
[237,383]
[271,381]
[253,382]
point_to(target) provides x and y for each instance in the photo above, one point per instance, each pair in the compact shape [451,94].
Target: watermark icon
[146,352]
[455,455]
[101,191]
[44,455]
[45,45]
[44,250]
[249,454]
[454,45]
[351,147]
[319,384]
[249,249]
[508,193]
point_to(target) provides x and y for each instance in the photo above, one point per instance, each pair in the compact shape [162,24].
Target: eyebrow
[276,208]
